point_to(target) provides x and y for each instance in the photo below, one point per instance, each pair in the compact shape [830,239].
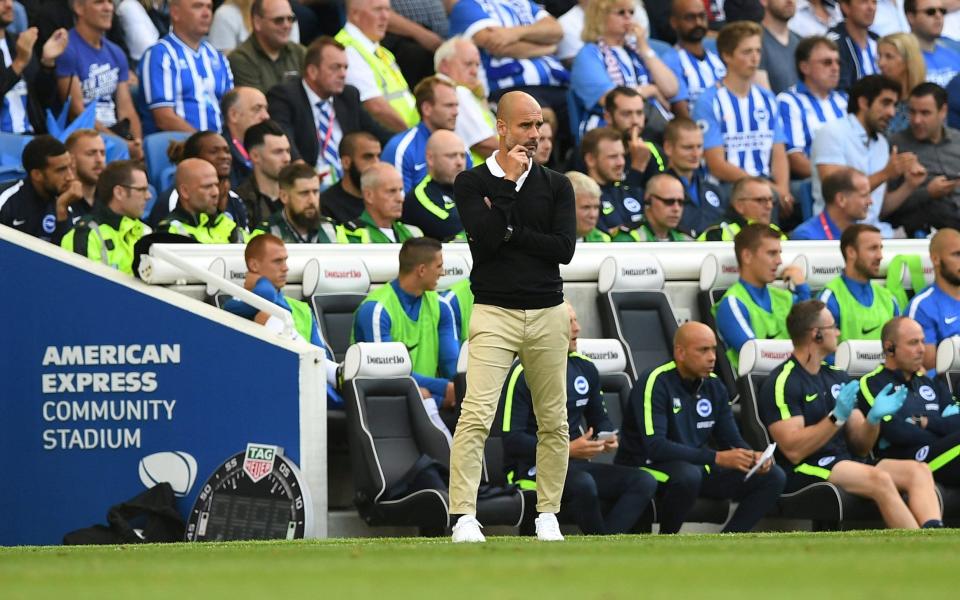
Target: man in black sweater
[521,225]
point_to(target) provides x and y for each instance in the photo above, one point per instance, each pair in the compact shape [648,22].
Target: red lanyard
[241,150]
[826,227]
[326,140]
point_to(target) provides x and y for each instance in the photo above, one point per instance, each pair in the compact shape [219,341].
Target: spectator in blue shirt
[94,70]
[813,102]
[742,131]
[937,308]
[182,77]
[517,41]
[425,325]
[926,22]
[438,107]
[847,192]
[697,67]
[617,53]
[857,44]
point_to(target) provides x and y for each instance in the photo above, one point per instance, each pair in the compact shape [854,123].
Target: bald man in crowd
[242,108]
[663,200]
[674,412]
[197,214]
[521,226]
[937,308]
[430,204]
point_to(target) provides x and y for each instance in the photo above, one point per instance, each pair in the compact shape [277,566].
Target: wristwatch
[835,419]
[508,234]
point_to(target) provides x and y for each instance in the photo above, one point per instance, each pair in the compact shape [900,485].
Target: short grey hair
[446,50]
[372,176]
[583,185]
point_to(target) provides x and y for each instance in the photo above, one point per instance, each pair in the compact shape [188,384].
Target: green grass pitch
[814,566]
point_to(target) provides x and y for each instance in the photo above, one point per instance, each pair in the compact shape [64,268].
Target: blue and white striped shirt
[747,127]
[803,113]
[14,117]
[191,82]
[698,73]
[469,17]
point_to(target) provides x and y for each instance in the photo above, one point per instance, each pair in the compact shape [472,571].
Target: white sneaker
[467,530]
[548,529]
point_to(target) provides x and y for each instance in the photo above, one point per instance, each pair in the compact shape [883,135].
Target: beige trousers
[497,335]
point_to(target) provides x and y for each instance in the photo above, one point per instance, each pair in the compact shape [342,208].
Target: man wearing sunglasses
[663,201]
[110,231]
[926,19]
[268,56]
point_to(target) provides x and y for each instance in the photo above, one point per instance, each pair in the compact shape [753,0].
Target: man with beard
[848,200]
[663,201]
[620,210]
[42,205]
[937,308]
[779,44]
[430,206]
[698,67]
[197,214]
[243,107]
[89,159]
[211,147]
[857,141]
[859,306]
[343,202]
[299,221]
[935,203]
[269,152]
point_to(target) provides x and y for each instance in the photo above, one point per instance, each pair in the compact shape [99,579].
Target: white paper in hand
[767,455]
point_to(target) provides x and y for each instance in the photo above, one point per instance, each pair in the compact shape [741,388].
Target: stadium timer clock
[257,494]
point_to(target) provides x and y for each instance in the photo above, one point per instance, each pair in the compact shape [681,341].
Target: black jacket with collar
[289,106]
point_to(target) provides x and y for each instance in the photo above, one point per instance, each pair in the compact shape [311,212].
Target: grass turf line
[862,564]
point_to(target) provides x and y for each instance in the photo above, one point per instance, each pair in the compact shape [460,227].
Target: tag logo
[703,125]
[826,460]
[448,202]
[926,392]
[676,405]
[607,207]
[258,461]
[704,407]
[632,205]
[922,453]
[581,384]
[19,222]
[835,390]
[712,198]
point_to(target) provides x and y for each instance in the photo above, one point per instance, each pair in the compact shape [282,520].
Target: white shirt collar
[312,96]
[496,171]
[361,37]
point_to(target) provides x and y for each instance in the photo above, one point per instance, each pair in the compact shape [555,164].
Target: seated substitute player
[859,306]
[806,404]
[937,308]
[590,487]
[266,258]
[674,411]
[752,308]
[927,426]
[110,230]
[408,310]
[751,201]
[198,213]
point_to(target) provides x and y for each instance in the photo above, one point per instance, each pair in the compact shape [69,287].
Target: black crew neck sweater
[523,272]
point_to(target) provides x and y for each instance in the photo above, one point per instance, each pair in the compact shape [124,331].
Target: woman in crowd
[900,59]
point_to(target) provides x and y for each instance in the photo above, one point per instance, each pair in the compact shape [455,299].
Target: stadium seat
[391,434]
[11,150]
[859,357]
[611,361]
[948,363]
[335,290]
[155,154]
[717,273]
[635,310]
[823,503]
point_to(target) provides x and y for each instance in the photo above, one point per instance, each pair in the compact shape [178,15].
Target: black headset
[891,349]
[818,336]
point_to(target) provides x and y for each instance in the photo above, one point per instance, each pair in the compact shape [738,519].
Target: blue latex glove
[886,403]
[846,400]
[950,411]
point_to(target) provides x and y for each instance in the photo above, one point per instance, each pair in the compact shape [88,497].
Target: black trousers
[757,496]
[943,456]
[605,499]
